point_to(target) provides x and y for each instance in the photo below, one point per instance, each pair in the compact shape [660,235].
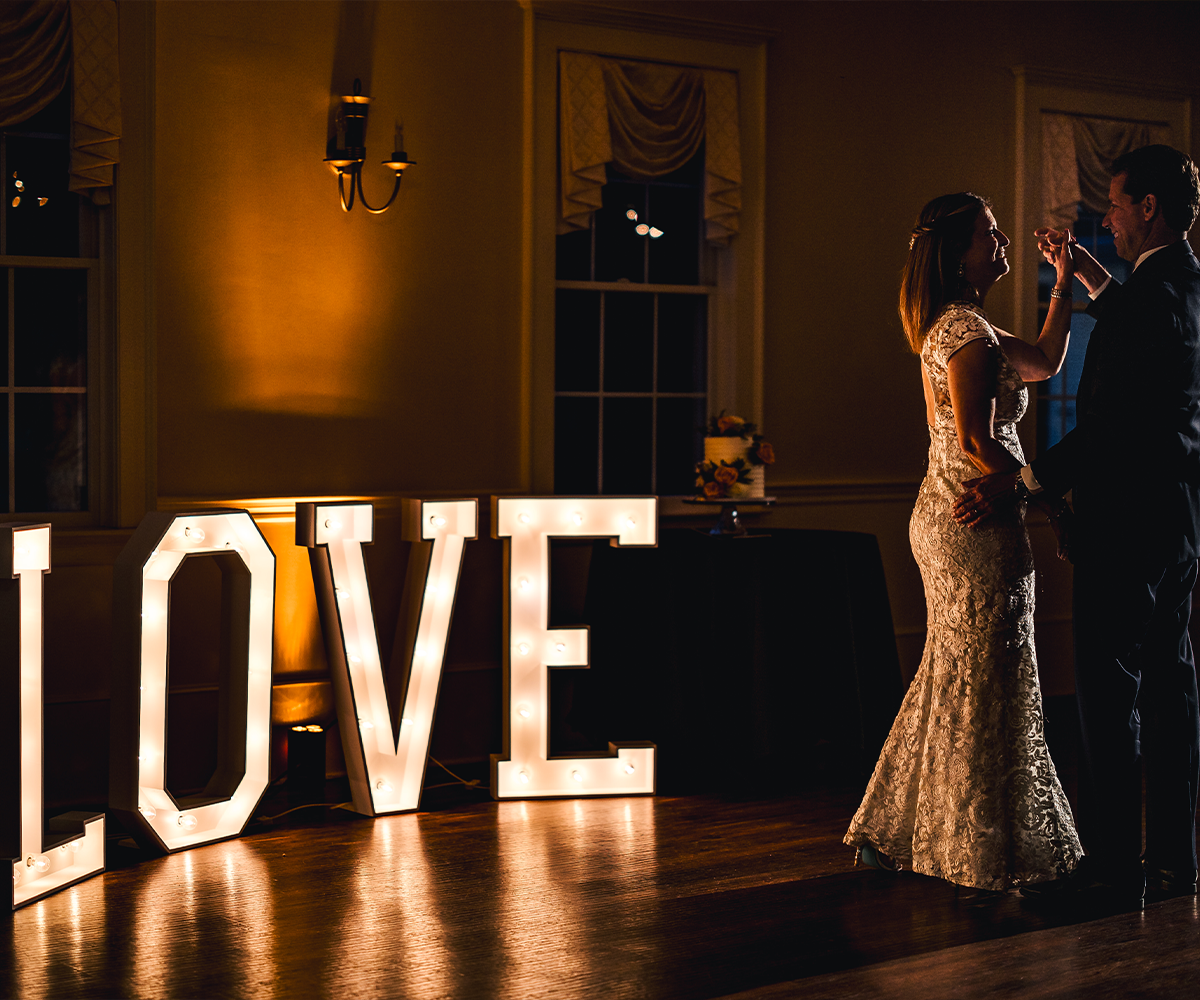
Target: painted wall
[301,350]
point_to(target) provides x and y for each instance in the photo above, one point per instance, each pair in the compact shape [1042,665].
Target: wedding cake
[735,460]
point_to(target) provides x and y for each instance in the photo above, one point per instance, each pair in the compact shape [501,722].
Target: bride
[965,788]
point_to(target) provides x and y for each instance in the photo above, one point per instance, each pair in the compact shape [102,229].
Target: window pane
[628,342]
[4,464]
[627,458]
[682,343]
[576,341]
[1056,396]
[576,445]
[4,273]
[675,256]
[51,460]
[620,251]
[1081,332]
[1056,416]
[680,445]
[574,256]
[41,215]
[50,327]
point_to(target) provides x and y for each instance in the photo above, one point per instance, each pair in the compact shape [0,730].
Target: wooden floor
[661,898]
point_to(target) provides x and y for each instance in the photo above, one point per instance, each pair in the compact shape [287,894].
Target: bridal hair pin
[918,232]
[925,228]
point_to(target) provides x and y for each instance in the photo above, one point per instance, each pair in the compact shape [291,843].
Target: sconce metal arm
[346,205]
[362,198]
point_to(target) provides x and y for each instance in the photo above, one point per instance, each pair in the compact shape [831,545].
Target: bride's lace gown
[965,789]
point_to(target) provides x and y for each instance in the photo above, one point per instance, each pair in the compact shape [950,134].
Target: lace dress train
[965,789]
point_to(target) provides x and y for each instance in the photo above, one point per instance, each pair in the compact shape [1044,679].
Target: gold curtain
[47,42]
[36,47]
[96,100]
[1077,153]
[647,119]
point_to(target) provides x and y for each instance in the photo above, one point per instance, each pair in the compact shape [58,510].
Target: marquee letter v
[386,769]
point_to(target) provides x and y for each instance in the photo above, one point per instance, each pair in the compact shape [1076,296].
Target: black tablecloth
[748,661]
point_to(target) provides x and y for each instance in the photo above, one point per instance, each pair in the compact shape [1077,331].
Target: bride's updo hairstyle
[931,275]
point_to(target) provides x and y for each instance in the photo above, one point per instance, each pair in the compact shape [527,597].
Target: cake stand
[729,524]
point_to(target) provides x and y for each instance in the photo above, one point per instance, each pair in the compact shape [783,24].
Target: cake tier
[729,449]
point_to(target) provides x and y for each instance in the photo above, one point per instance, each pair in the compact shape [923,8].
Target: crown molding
[606,15]
[1049,77]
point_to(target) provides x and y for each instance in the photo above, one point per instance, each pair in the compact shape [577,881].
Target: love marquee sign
[385,762]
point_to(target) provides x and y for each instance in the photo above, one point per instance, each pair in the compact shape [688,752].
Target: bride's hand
[1064,261]
[1056,245]
[982,497]
[1050,241]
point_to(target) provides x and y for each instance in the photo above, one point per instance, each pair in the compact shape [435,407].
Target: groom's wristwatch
[1020,489]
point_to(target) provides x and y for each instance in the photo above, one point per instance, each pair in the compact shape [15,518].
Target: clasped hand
[983,497]
[1056,246]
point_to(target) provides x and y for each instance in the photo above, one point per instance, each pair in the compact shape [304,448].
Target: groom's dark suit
[1133,461]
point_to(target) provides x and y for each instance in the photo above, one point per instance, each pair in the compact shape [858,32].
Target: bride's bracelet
[1061,293]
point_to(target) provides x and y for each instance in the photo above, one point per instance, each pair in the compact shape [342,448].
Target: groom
[1133,463]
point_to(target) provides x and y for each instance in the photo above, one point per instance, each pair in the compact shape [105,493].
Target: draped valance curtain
[44,44]
[1077,152]
[647,119]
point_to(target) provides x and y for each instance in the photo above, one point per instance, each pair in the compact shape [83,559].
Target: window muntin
[631,339]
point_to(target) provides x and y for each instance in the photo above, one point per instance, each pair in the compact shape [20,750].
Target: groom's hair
[1167,174]
[932,275]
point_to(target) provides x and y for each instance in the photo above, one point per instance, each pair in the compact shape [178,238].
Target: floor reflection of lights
[388,931]
[523,906]
[559,860]
[55,947]
[211,900]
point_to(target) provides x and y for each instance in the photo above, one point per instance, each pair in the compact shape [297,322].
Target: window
[704,326]
[1056,396]
[49,264]
[1049,192]
[631,339]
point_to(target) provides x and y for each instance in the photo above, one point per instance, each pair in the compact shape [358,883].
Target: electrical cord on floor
[473,783]
[458,780]
[307,805]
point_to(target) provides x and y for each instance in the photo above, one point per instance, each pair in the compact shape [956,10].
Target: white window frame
[1039,90]
[122,434]
[735,320]
[97,386]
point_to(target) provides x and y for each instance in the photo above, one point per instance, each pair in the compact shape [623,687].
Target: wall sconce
[351,153]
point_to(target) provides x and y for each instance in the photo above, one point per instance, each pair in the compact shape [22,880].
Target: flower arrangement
[718,480]
[729,426]
[723,479]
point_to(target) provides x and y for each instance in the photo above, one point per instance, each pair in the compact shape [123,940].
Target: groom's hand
[983,497]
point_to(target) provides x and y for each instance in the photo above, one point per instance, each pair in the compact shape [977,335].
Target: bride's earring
[971,292]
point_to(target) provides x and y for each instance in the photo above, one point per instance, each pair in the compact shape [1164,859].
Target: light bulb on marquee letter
[386,767]
[531,648]
[138,733]
[37,869]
